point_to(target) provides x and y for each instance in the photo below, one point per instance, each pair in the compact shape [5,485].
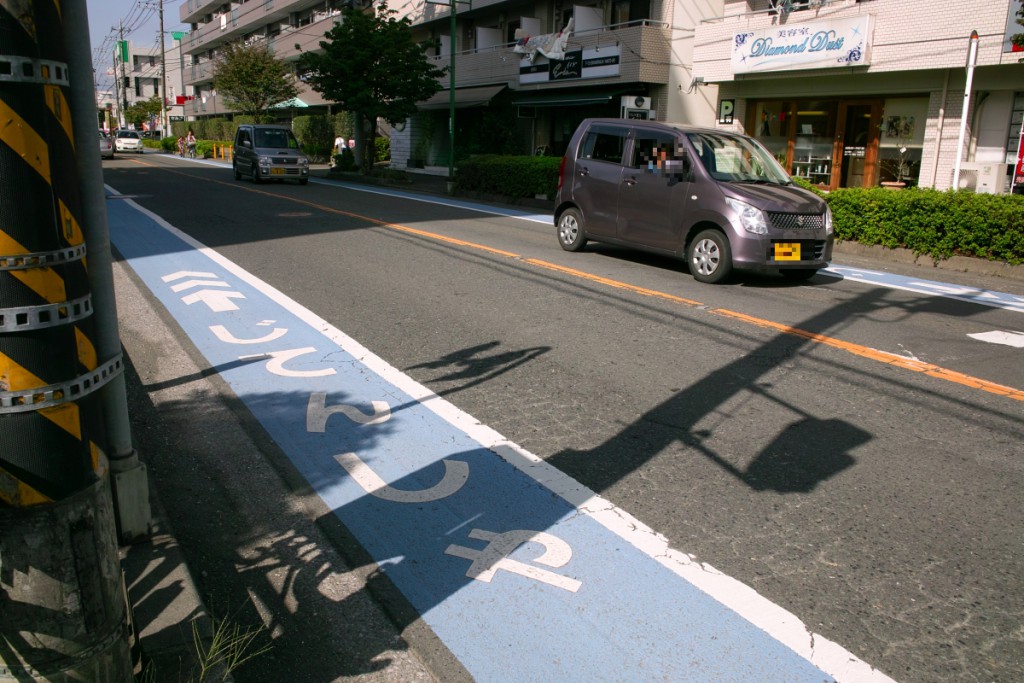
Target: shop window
[901,140]
[771,127]
[1016,120]
[812,145]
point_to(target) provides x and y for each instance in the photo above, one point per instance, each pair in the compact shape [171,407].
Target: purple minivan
[715,198]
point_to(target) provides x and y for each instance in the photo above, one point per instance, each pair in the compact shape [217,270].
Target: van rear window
[603,145]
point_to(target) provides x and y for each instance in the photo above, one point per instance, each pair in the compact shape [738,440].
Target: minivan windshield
[275,138]
[737,159]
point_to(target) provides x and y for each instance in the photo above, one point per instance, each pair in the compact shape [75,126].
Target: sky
[141,22]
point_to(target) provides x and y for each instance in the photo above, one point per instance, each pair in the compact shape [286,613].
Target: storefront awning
[564,99]
[464,97]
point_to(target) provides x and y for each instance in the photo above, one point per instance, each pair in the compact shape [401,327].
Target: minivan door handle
[630,181]
[583,170]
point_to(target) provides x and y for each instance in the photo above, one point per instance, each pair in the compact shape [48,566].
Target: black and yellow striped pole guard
[51,426]
[63,612]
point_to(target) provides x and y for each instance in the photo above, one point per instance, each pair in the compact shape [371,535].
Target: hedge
[510,176]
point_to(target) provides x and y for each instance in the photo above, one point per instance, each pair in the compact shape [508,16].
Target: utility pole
[123,48]
[164,123]
[63,615]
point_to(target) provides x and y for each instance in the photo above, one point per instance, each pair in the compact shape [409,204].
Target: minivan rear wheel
[570,230]
[709,257]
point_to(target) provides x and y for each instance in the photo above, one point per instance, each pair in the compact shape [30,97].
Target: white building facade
[854,93]
[138,76]
[845,93]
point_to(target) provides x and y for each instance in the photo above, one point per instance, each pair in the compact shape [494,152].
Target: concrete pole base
[63,611]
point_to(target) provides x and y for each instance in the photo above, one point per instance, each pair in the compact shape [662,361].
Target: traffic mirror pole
[130,481]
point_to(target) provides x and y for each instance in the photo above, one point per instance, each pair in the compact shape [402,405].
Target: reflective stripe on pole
[51,424]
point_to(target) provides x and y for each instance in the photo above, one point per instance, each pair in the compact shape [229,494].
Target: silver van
[268,152]
[718,199]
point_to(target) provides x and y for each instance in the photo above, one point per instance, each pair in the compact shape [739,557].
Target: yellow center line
[885,357]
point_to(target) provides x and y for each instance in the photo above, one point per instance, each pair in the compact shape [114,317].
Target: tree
[143,112]
[371,67]
[251,79]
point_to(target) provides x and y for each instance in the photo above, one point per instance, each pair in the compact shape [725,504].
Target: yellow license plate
[280,171]
[787,251]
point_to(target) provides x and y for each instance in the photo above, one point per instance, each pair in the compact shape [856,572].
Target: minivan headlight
[828,221]
[303,162]
[264,161]
[751,219]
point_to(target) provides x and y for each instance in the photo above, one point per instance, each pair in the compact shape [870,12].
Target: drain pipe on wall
[972,57]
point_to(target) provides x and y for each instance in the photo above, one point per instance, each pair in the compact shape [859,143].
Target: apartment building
[846,93]
[621,54]
[138,76]
[854,93]
[287,27]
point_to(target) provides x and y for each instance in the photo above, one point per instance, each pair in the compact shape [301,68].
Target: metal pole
[130,482]
[972,57]
[164,122]
[123,48]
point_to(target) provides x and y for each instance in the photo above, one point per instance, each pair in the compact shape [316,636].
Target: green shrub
[346,161]
[204,149]
[169,144]
[316,135]
[382,149]
[932,223]
[511,176]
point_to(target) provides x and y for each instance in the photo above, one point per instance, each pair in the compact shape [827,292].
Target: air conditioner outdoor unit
[982,176]
[636,102]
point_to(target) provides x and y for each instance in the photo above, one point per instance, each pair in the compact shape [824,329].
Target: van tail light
[561,173]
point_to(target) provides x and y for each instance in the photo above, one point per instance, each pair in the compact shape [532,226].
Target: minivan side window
[651,150]
[603,144]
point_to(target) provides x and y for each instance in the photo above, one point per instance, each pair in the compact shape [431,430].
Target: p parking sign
[725,110]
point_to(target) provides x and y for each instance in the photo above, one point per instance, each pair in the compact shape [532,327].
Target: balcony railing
[645,49]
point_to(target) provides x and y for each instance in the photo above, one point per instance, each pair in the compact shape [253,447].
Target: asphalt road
[755,425]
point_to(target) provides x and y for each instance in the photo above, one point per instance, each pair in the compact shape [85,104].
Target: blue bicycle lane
[522,572]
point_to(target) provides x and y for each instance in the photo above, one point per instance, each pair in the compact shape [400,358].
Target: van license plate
[787,251]
[280,171]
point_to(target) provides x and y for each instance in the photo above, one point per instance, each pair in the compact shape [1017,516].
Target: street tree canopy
[143,112]
[251,79]
[371,66]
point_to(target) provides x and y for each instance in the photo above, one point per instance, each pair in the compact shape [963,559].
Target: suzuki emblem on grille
[800,221]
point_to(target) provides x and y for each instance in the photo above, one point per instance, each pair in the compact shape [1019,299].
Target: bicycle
[192,151]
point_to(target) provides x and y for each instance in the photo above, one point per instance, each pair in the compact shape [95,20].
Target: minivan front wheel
[709,257]
[570,230]
[255,174]
[238,174]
